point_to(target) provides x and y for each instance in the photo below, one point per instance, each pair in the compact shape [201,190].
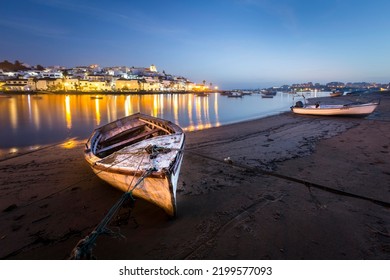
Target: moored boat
[268,92]
[235,94]
[336,93]
[202,94]
[139,147]
[351,109]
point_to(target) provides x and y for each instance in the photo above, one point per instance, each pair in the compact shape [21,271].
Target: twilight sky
[231,43]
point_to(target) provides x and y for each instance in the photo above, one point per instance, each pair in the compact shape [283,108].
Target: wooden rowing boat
[351,109]
[139,147]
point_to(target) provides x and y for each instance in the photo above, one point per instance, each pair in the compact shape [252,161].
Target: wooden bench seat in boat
[128,141]
[117,137]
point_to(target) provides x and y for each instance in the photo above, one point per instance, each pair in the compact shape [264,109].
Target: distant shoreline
[106,92]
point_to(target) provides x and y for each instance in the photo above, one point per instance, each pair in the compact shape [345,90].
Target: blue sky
[231,43]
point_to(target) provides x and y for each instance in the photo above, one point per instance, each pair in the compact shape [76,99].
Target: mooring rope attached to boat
[83,249]
[293,179]
[138,167]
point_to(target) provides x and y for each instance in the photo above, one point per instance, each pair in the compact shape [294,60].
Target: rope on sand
[83,249]
[296,180]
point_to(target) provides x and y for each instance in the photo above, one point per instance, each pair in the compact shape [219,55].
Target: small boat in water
[350,109]
[269,92]
[336,93]
[139,147]
[235,94]
[202,94]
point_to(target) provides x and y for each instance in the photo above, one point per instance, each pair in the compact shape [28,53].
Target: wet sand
[294,187]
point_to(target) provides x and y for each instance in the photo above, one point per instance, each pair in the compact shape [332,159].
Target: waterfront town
[19,77]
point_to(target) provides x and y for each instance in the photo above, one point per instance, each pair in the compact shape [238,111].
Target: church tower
[153,68]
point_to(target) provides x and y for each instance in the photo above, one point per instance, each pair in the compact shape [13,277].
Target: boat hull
[132,168]
[337,110]
[158,190]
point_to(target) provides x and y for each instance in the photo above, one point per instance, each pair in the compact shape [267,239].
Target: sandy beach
[282,187]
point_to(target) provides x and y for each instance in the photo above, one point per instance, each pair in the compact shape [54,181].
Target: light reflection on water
[29,121]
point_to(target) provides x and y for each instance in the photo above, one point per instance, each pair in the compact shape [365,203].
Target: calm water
[29,121]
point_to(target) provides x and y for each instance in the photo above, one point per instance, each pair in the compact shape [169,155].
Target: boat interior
[118,135]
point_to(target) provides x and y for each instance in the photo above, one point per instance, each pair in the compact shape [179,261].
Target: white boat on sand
[139,148]
[351,109]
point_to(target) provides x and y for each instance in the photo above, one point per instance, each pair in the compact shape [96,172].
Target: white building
[53,75]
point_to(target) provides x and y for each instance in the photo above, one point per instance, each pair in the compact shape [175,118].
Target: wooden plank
[122,134]
[128,141]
